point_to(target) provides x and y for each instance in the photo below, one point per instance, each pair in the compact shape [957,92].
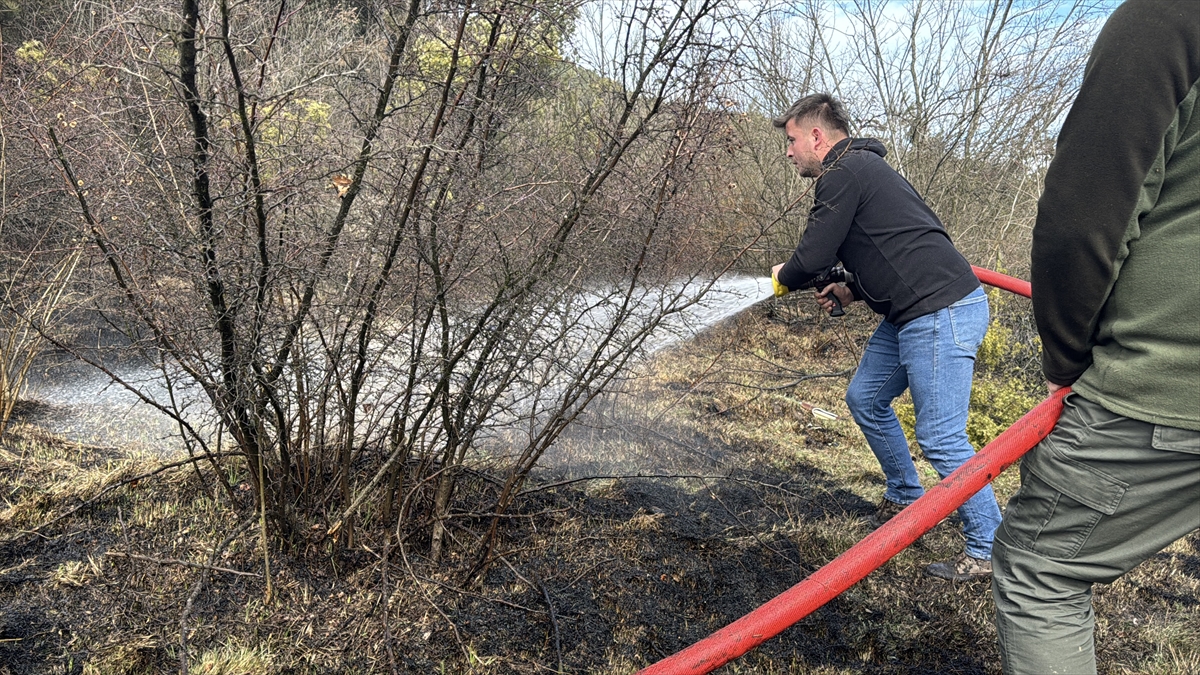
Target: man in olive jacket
[1116,295]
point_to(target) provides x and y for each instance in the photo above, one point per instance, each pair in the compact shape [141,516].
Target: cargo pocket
[1175,439]
[1059,503]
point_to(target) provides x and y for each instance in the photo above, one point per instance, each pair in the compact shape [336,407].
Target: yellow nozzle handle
[780,289]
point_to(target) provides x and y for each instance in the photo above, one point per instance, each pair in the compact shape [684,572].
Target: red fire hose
[878,547]
[1011,284]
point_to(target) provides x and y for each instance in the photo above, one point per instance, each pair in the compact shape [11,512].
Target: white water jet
[83,404]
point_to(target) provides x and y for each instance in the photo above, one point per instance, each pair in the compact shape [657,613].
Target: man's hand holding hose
[843,294]
[825,296]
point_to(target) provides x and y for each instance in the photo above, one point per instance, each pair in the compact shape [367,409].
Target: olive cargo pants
[1099,495]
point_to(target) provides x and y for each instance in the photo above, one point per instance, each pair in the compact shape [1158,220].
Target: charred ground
[702,492]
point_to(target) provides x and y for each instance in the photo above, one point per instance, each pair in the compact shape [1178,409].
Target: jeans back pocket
[969,320]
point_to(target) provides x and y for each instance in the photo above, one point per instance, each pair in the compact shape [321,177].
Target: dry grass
[234,659]
[601,576]
[46,473]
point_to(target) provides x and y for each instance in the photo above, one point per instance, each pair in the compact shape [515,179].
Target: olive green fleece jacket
[1116,246]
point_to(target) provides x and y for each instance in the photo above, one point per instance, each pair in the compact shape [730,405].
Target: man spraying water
[902,264]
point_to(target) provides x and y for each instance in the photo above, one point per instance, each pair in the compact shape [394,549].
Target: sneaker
[886,510]
[961,568]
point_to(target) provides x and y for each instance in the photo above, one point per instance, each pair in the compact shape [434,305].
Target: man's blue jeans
[934,357]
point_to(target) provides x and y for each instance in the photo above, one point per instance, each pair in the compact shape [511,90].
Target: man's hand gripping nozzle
[835,274]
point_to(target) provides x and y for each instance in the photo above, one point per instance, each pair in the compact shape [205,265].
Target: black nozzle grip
[824,282]
[837,305]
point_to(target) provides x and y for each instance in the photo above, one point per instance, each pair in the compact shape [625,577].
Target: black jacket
[866,215]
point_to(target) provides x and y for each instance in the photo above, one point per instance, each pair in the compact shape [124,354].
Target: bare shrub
[385,250]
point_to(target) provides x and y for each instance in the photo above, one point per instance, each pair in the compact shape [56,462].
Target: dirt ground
[704,492]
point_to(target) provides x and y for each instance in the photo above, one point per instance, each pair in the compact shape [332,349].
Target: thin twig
[485,514]
[778,387]
[553,622]
[618,476]
[181,563]
[786,385]
[550,605]
[683,476]
[428,599]
[6,580]
[472,594]
[694,385]
[749,529]
[677,442]
[262,521]
[110,488]
[124,531]
[588,570]
[814,376]
[199,586]
[387,627]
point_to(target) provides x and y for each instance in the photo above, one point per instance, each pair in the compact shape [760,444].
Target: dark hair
[825,109]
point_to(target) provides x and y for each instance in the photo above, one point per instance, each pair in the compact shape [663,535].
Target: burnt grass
[661,518]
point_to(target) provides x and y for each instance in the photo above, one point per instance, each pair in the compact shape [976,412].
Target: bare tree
[966,96]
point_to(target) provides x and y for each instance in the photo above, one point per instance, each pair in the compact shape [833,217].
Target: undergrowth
[705,490]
